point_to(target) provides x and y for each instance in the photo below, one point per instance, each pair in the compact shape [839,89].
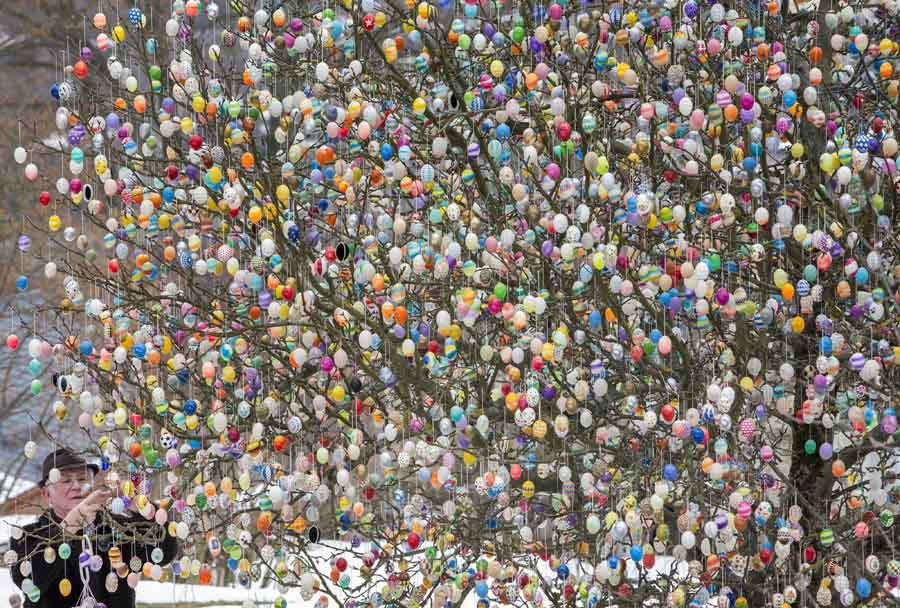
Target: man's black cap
[63,459]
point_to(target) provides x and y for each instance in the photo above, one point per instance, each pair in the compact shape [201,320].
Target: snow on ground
[150,593]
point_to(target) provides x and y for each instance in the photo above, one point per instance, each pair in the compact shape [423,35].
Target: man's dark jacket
[47,576]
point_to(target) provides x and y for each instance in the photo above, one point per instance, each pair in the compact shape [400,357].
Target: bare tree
[505,300]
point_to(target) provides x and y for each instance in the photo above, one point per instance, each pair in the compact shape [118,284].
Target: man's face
[73,486]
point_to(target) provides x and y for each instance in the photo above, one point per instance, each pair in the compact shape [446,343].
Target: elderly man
[48,569]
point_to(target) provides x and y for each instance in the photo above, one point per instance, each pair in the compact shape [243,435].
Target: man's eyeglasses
[75,480]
